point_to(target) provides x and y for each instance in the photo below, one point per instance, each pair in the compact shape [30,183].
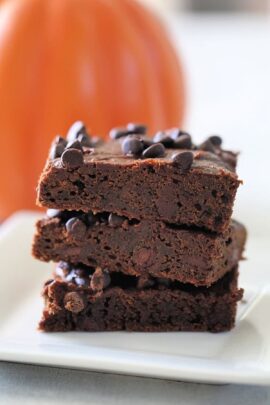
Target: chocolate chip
[147,142]
[215,140]
[72,158]
[53,213]
[183,160]
[230,158]
[78,277]
[145,281]
[73,302]
[136,128]
[64,265]
[100,279]
[183,142]
[61,270]
[207,146]
[163,138]
[154,151]
[56,150]
[69,277]
[132,146]
[60,143]
[74,145]
[117,133]
[115,221]
[75,130]
[176,133]
[85,140]
[60,140]
[76,228]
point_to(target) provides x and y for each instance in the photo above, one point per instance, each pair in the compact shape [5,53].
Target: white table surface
[227,64]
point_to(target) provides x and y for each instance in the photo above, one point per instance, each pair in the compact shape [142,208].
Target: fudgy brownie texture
[171,180]
[124,303]
[139,247]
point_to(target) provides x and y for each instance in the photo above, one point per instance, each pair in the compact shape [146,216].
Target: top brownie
[164,178]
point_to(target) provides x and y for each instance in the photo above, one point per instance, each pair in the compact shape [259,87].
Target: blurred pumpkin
[101,61]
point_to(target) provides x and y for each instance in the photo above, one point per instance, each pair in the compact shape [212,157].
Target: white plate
[240,356]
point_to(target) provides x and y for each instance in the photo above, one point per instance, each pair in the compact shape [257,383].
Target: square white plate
[240,356]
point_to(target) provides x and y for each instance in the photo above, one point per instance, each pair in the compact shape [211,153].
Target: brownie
[97,301]
[170,180]
[139,247]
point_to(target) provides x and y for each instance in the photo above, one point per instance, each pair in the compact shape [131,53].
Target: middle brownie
[139,247]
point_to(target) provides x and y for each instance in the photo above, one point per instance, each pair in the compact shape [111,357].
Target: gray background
[26,384]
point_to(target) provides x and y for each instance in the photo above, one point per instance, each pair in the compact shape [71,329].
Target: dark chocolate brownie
[98,302]
[133,247]
[171,180]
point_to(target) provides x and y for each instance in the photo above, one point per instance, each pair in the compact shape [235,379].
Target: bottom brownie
[119,302]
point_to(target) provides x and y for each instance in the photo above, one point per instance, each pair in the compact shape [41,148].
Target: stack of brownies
[141,231]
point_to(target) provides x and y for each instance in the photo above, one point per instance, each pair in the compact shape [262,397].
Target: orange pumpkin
[106,62]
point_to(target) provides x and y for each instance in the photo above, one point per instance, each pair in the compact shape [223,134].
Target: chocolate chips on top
[174,138]
[163,138]
[215,140]
[138,147]
[84,140]
[58,147]
[135,144]
[74,145]
[116,133]
[136,128]
[131,129]
[142,147]
[132,146]
[72,158]
[183,160]
[154,151]
[75,130]
[176,133]
[183,142]
[146,148]
[71,149]
[207,146]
